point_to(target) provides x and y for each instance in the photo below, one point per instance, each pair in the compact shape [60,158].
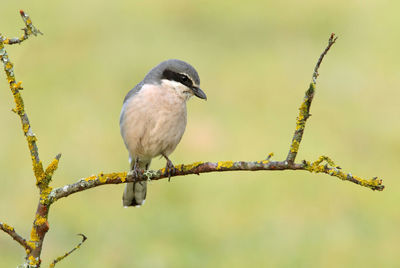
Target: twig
[28,30]
[304,110]
[331,41]
[11,231]
[20,108]
[69,252]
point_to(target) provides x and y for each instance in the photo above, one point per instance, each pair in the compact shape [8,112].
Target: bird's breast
[153,121]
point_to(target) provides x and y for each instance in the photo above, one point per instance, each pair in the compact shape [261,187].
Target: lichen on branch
[11,232]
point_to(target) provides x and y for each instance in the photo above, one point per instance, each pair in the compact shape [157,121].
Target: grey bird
[153,119]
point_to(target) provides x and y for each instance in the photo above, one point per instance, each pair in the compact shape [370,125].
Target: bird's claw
[169,169]
[135,171]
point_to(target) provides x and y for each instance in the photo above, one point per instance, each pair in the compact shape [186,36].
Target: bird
[153,120]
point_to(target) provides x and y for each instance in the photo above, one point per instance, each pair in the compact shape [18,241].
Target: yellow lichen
[185,168]
[224,164]
[116,175]
[34,235]
[40,220]
[91,178]
[295,146]
[17,85]
[10,79]
[180,167]
[8,227]
[102,178]
[33,261]
[32,245]
[19,103]
[25,127]
[52,167]
[44,194]
[8,66]
[38,171]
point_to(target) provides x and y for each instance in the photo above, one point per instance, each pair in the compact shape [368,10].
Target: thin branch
[304,110]
[28,30]
[11,231]
[40,224]
[20,108]
[69,252]
[206,167]
[331,41]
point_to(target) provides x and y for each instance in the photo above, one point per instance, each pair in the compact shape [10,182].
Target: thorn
[58,156]
[22,12]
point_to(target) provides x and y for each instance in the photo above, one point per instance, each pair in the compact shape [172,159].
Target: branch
[28,30]
[15,90]
[331,41]
[11,231]
[304,109]
[206,167]
[43,178]
[69,252]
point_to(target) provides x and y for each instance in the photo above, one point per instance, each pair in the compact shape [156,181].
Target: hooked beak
[199,93]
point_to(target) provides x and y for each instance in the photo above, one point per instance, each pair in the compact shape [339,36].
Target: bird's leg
[169,168]
[135,168]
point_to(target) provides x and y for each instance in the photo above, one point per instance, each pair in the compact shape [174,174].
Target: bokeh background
[255,59]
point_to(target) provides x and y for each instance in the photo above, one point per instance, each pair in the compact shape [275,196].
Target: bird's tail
[135,192]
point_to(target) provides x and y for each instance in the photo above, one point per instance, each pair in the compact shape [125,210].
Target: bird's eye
[185,79]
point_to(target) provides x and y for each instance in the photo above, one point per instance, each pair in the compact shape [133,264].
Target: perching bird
[153,119]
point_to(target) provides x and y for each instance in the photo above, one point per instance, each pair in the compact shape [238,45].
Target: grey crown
[156,74]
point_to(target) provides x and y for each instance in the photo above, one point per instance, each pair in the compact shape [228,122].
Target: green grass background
[255,59]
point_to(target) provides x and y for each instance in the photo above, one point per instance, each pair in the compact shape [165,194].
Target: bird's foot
[135,171]
[169,168]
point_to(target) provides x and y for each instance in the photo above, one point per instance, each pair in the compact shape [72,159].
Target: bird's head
[178,75]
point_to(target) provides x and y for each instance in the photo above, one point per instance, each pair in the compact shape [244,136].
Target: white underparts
[180,89]
[154,120]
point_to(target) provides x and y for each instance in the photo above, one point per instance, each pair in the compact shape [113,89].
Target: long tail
[135,192]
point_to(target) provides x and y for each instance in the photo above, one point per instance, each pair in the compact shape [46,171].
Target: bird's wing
[133,91]
[130,94]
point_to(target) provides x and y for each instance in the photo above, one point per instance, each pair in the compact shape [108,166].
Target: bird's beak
[199,93]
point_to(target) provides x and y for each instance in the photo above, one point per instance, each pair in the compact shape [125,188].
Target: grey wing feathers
[130,94]
[133,91]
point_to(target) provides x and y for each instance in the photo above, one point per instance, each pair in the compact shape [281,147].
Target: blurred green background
[255,59]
